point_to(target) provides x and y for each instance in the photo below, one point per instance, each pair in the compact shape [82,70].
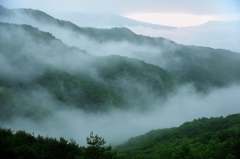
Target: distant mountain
[106,20]
[214,34]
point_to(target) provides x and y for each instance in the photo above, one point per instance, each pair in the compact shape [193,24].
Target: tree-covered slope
[27,66]
[217,138]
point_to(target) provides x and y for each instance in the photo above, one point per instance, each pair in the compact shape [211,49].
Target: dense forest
[25,145]
[216,138]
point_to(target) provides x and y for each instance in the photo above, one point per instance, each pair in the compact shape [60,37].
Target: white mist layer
[117,126]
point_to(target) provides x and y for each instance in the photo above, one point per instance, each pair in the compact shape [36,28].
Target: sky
[172,12]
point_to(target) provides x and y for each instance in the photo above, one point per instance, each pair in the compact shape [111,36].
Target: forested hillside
[202,138]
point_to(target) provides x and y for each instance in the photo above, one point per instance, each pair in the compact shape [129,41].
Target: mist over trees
[202,138]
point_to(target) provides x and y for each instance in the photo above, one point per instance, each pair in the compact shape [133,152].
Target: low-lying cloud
[117,126]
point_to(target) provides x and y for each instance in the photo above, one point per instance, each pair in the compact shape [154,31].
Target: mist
[117,126]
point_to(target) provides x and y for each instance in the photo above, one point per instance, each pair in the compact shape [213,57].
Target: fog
[115,125]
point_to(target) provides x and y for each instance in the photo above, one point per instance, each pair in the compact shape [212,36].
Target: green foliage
[25,145]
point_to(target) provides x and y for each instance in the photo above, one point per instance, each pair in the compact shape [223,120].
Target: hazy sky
[170,12]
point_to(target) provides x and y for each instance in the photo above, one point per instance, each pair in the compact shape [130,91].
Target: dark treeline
[215,138]
[25,145]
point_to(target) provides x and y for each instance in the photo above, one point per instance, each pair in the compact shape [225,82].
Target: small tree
[96,149]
